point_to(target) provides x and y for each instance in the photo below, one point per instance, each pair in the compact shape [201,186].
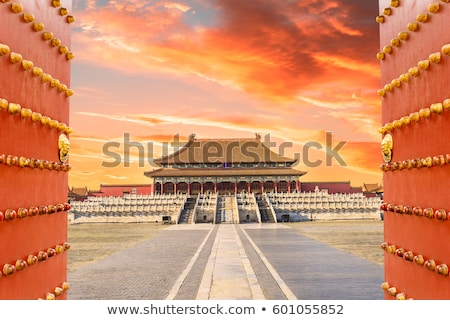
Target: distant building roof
[372,187]
[83,191]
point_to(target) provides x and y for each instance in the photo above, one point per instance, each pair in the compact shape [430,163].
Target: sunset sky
[291,69]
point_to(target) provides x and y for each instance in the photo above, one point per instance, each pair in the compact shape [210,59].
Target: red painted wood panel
[426,186]
[25,187]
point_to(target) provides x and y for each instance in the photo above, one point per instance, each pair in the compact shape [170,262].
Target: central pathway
[228,273]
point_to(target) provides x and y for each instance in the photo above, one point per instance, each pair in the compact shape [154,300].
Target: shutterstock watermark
[207,153]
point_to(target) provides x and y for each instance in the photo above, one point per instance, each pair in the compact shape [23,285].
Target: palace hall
[224,166]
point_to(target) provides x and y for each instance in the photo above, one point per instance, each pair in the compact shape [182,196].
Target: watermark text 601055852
[232,153]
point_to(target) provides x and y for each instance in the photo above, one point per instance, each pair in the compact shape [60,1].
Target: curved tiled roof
[202,151]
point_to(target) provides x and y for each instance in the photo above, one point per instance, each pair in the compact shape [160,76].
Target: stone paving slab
[152,269]
[315,271]
[146,271]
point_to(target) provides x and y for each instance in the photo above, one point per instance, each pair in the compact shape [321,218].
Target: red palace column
[35,41]
[415,147]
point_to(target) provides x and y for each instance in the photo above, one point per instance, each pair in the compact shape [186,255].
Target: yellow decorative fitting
[53,123]
[16,7]
[446,104]
[32,259]
[437,108]
[389,126]
[3,104]
[425,113]
[404,77]
[64,147]
[37,72]
[434,7]
[16,57]
[403,35]
[415,116]
[379,19]
[27,64]
[423,17]
[69,56]
[400,296]
[54,83]
[435,57]
[63,11]
[380,55]
[26,113]
[28,17]
[430,265]
[62,127]
[388,87]
[414,71]
[408,255]
[395,42]
[405,120]
[62,87]
[36,117]
[65,286]
[14,108]
[49,296]
[387,11]
[413,26]
[428,162]
[387,49]
[439,214]
[45,120]
[385,286]
[392,291]
[56,3]
[69,92]
[395,3]
[382,130]
[55,42]
[38,26]
[4,49]
[396,83]
[23,162]
[442,269]
[46,77]
[63,49]
[397,124]
[70,19]
[58,291]
[424,64]
[381,92]
[47,35]
[386,147]
[8,269]
[446,49]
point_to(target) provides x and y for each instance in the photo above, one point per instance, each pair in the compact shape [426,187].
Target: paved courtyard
[228,262]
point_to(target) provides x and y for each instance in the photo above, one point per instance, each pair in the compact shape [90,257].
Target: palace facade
[224,166]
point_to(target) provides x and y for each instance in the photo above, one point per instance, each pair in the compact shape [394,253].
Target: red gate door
[35,42]
[415,147]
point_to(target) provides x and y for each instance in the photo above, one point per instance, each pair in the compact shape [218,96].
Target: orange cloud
[265,50]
